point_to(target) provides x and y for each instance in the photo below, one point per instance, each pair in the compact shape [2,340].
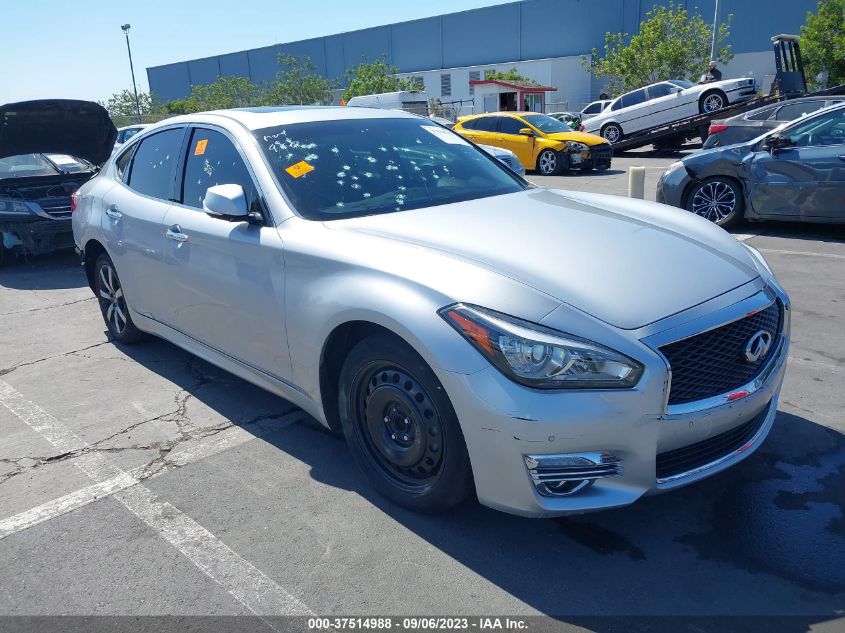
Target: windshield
[26,165]
[339,169]
[681,83]
[546,124]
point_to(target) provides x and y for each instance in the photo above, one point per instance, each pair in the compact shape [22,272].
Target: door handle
[175,234]
[113,213]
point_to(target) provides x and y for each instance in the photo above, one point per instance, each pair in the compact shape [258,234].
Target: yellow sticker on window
[199,150]
[297,170]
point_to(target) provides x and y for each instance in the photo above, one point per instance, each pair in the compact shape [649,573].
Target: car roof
[272,116]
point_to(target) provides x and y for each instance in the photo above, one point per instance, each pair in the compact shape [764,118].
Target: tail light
[715,128]
[74,201]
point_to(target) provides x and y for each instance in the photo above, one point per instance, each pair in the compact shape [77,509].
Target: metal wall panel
[481,36]
[169,82]
[308,48]
[203,71]
[335,63]
[234,65]
[416,45]
[562,28]
[368,43]
[264,63]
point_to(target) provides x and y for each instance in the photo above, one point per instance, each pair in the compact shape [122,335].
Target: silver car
[464,330]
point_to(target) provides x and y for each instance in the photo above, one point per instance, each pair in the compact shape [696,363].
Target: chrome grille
[713,363]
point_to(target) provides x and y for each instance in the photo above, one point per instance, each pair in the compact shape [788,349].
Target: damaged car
[48,149]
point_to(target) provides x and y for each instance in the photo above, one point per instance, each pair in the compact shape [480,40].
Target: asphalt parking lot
[143,481]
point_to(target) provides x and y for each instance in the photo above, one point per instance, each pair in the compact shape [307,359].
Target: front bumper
[509,428]
[596,157]
[671,187]
[36,237]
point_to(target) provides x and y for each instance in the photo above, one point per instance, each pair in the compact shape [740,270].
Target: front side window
[350,168]
[824,129]
[155,160]
[661,90]
[213,160]
[511,125]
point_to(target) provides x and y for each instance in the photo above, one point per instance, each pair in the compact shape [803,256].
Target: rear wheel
[612,133]
[549,163]
[718,200]
[109,293]
[401,428]
[712,101]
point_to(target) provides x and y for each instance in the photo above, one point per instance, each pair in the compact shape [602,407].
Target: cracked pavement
[767,537]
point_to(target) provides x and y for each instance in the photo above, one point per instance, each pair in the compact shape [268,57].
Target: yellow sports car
[539,141]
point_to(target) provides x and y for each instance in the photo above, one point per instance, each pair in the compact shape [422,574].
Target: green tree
[510,75]
[375,78]
[123,103]
[671,44]
[298,84]
[823,42]
[225,93]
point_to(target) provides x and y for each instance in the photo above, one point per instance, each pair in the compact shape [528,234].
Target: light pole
[715,30]
[125,28]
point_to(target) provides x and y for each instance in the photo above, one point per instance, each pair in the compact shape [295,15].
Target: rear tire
[719,200]
[109,293]
[612,133]
[401,428]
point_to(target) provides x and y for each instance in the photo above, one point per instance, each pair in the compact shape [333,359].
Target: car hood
[57,126]
[580,137]
[626,262]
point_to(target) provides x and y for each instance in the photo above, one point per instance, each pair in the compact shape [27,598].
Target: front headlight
[12,207]
[575,146]
[540,357]
[676,165]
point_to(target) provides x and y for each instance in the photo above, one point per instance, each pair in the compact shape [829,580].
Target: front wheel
[109,292]
[718,200]
[549,163]
[712,102]
[401,427]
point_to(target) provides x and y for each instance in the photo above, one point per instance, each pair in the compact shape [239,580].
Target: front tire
[401,428]
[549,163]
[712,101]
[112,301]
[719,200]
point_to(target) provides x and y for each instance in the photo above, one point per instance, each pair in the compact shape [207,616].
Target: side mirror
[678,90]
[527,131]
[776,142]
[226,201]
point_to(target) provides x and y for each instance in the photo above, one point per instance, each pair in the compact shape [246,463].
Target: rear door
[806,180]
[631,112]
[133,217]
[225,278]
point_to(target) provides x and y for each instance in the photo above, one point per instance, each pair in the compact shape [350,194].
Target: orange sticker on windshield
[297,170]
[199,150]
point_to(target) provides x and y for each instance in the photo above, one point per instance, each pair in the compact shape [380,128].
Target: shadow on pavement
[56,271]
[772,526]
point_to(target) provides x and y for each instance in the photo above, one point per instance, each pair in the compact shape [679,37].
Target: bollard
[636,182]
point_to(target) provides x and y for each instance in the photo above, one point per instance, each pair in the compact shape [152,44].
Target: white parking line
[246,583]
[802,253]
[742,237]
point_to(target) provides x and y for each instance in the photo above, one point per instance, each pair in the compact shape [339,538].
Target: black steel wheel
[401,427]
[717,199]
[112,300]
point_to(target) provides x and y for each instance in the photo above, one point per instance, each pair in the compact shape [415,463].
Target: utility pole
[715,31]
[125,28]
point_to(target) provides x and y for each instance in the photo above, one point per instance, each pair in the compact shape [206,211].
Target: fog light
[570,473]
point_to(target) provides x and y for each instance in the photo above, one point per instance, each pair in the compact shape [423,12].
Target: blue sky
[75,48]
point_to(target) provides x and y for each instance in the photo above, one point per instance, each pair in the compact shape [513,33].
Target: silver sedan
[554,352]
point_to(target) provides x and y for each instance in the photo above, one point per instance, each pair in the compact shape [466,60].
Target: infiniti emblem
[758,346]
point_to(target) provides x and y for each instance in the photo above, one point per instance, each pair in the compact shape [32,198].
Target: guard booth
[494,95]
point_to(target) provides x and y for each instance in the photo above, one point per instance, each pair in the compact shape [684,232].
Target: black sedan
[796,172]
[748,125]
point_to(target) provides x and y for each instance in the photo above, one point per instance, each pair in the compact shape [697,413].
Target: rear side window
[763,115]
[154,163]
[122,163]
[487,124]
[469,125]
[593,108]
[793,111]
[214,160]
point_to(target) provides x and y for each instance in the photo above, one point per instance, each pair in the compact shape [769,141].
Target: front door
[520,144]
[226,278]
[806,179]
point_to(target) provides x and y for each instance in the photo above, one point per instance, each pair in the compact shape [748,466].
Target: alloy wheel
[612,133]
[547,162]
[713,102]
[111,298]
[716,201]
